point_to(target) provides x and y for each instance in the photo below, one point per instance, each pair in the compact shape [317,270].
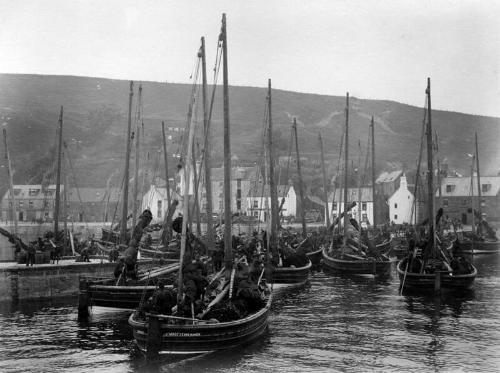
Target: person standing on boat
[31,254]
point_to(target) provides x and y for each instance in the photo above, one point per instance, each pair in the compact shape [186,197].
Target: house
[259,201]
[456,198]
[155,199]
[241,181]
[336,207]
[385,186]
[93,204]
[401,208]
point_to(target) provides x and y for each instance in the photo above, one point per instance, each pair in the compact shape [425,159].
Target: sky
[371,49]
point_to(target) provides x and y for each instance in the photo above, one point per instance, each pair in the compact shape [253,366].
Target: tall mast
[137,156]
[11,182]
[472,199]
[301,191]
[58,177]
[478,189]
[123,232]
[206,148]
[228,240]
[167,226]
[346,160]
[430,169]
[273,193]
[372,126]
[325,184]
[196,181]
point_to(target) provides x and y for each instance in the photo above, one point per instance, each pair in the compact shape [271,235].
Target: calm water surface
[353,324]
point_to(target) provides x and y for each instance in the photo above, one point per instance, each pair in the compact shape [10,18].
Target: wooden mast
[58,177]
[196,190]
[11,182]
[138,118]
[301,191]
[346,164]
[123,232]
[228,239]
[167,226]
[325,184]
[375,210]
[273,193]
[479,191]
[206,149]
[430,169]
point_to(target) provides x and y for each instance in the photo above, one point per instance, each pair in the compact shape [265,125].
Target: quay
[47,281]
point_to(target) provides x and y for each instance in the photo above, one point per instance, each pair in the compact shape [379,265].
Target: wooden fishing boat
[429,281]
[177,335]
[353,264]
[480,247]
[285,277]
[433,269]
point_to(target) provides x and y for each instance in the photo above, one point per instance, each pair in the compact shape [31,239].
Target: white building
[400,204]
[366,208]
[259,201]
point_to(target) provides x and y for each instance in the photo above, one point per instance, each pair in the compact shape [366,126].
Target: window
[159,208]
[33,192]
[238,204]
[483,203]
[485,187]
[445,202]
[256,213]
[17,192]
[363,206]
[395,205]
[365,217]
[395,217]
[255,204]
[334,207]
[464,202]
[20,204]
[450,188]
[31,204]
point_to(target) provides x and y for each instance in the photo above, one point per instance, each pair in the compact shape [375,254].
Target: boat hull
[315,256]
[480,247]
[425,281]
[290,276]
[357,267]
[198,338]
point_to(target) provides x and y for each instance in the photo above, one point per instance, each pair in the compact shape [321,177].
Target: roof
[93,194]
[256,190]
[246,173]
[387,177]
[316,200]
[32,191]
[352,195]
[461,186]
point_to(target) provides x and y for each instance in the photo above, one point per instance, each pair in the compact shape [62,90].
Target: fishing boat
[348,255]
[160,333]
[430,264]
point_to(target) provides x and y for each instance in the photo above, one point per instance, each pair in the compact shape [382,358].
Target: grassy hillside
[95,117]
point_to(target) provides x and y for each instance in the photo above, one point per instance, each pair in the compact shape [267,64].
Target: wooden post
[228,239]
[123,231]
[325,184]
[83,299]
[374,191]
[301,190]
[138,118]
[154,337]
[206,149]
[479,191]
[437,281]
[11,182]
[58,177]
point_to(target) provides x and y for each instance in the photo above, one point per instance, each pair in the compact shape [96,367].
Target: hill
[95,118]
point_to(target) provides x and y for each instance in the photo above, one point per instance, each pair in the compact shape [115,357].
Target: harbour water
[352,324]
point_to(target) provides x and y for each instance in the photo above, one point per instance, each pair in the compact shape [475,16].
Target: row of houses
[393,197]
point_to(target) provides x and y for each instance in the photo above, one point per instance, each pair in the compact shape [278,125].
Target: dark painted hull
[125,297]
[315,257]
[200,337]
[357,267]
[424,281]
[480,247]
[291,276]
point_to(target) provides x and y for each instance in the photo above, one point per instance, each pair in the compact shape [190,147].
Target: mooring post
[437,281]
[83,298]
[153,343]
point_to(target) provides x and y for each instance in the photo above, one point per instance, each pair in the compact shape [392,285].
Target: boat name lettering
[177,334]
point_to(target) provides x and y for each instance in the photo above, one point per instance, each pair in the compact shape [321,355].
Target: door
[464,218]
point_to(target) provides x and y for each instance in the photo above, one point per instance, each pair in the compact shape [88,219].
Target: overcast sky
[373,49]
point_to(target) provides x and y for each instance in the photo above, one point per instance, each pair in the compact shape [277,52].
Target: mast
[273,193]
[372,126]
[479,197]
[472,200]
[301,192]
[196,190]
[228,239]
[11,182]
[346,160]
[359,193]
[325,184]
[167,226]
[206,149]
[58,177]
[430,169]
[123,231]
[137,156]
